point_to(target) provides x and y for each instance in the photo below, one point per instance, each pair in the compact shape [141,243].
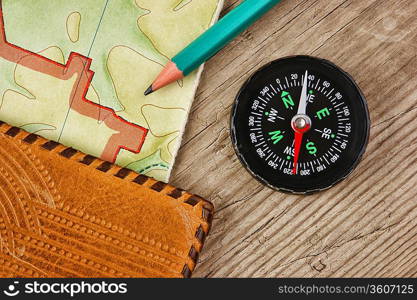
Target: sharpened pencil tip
[149,91]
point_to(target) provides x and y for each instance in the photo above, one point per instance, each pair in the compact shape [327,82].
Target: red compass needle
[298,139]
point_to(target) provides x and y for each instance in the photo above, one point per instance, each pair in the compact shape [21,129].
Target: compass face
[300,124]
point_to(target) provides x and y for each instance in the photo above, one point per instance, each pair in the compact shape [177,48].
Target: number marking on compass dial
[334,121]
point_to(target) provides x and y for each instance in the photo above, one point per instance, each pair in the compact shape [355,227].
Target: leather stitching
[158,186]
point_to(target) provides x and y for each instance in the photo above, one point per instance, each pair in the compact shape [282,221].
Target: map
[75,72]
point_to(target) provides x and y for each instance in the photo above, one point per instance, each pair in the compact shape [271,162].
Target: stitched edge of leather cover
[207,209]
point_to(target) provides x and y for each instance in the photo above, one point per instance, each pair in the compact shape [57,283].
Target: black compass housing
[261,125]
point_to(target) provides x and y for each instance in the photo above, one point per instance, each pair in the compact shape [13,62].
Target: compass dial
[300,124]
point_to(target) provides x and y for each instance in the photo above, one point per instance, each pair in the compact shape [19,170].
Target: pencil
[211,42]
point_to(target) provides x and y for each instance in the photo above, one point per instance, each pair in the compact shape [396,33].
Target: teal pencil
[212,41]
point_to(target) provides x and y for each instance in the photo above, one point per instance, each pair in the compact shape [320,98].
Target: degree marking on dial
[266,102]
[334,147]
[260,144]
[330,92]
[318,81]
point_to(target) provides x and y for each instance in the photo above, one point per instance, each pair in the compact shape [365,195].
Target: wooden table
[365,226]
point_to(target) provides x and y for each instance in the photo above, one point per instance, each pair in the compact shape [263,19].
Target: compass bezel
[316,182]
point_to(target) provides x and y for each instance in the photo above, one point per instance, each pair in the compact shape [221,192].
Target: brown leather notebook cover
[67,214]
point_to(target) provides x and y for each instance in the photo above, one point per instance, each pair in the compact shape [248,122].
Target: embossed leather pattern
[67,214]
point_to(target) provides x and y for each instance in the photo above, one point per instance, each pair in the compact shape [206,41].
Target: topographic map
[75,71]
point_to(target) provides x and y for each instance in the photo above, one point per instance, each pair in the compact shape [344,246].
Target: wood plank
[365,226]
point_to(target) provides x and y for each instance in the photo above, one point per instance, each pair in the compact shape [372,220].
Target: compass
[300,124]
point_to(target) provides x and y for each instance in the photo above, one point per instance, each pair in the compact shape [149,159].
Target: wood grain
[365,226]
